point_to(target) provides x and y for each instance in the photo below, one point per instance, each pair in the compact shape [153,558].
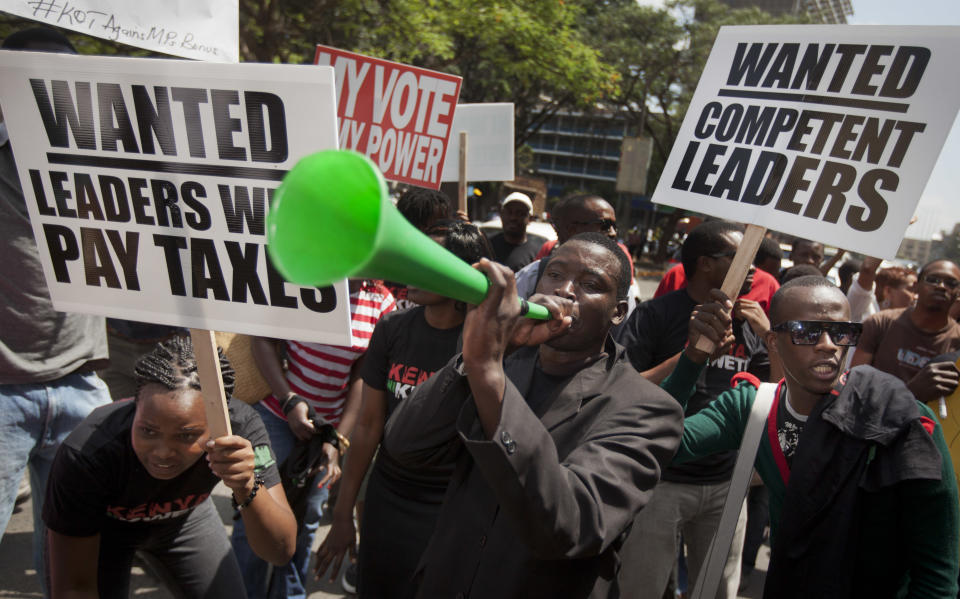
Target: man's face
[515,217]
[807,252]
[718,264]
[813,368]
[587,274]
[938,286]
[771,265]
[594,216]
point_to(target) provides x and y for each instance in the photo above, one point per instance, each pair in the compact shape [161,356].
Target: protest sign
[398,115]
[200,29]
[824,132]
[489,129]
[147,183]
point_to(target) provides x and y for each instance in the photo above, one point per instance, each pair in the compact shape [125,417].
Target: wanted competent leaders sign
[398,115]
[825,132]
[147,183]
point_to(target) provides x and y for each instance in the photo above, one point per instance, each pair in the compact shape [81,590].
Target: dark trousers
[758,515]
[192,556]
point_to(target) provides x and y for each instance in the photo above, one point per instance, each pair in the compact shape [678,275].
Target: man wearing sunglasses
[863,501]
[903,341]
[578,213]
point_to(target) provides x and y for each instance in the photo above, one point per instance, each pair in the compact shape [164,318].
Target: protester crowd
[472,452]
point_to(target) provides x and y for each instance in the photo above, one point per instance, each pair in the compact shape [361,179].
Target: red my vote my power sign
[398,115]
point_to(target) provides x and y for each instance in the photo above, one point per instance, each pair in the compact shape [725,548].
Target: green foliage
[659,58]
[531,53]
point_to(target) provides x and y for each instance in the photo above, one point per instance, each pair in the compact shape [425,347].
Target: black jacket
[865,437]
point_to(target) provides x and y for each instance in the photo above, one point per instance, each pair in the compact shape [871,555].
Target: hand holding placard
[738,272]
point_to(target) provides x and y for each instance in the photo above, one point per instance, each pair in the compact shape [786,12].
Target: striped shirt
[321,373]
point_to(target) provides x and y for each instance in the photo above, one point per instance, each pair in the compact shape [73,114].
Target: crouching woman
[136,476]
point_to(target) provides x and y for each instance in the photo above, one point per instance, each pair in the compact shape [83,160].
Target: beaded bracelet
[257,483]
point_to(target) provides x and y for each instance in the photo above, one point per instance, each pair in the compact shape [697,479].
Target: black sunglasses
[936,281]
[808,332]
[603,223]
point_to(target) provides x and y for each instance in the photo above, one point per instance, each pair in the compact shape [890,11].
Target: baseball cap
[518,197]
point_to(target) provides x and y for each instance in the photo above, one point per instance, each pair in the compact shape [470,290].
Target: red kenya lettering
[396,372]
[135,513]
[184,502]
[424,375]
[160,508]
[410,376]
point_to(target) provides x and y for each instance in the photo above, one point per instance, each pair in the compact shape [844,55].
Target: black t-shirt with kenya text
[404,352]
[98,485]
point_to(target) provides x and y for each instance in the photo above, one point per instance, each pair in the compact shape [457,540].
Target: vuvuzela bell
[332,218]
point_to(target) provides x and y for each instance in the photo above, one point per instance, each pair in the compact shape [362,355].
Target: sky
[939,206]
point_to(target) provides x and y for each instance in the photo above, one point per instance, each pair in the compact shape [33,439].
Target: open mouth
[825,370]
[164,467]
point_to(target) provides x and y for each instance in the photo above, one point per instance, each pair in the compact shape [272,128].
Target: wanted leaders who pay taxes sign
[825,132]
[147,183]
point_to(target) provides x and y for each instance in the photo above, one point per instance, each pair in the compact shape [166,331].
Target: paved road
[18,579]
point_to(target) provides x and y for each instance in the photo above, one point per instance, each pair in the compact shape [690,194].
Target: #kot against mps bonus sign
[147,183]
[200,29]
[400,116]
[824,132]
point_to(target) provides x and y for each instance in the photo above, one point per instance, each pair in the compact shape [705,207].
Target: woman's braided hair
[173,365]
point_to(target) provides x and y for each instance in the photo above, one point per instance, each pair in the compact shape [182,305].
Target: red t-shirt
[764,286]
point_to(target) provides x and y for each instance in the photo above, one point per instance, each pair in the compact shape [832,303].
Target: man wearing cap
[513,246]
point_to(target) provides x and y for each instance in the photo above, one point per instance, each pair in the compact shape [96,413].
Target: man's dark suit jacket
[541,509]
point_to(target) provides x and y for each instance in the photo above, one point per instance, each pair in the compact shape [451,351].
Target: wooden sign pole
[211,383]
[462,184]
[739,268]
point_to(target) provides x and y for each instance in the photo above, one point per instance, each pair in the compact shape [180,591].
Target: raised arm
[868,272]
[831,262]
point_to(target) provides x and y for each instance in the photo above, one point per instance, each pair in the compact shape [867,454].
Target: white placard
[147,183]
[825,132]
[199,29]
[489,130]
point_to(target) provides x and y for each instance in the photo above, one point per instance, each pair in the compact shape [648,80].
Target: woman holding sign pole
[401,504]
[133,478]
